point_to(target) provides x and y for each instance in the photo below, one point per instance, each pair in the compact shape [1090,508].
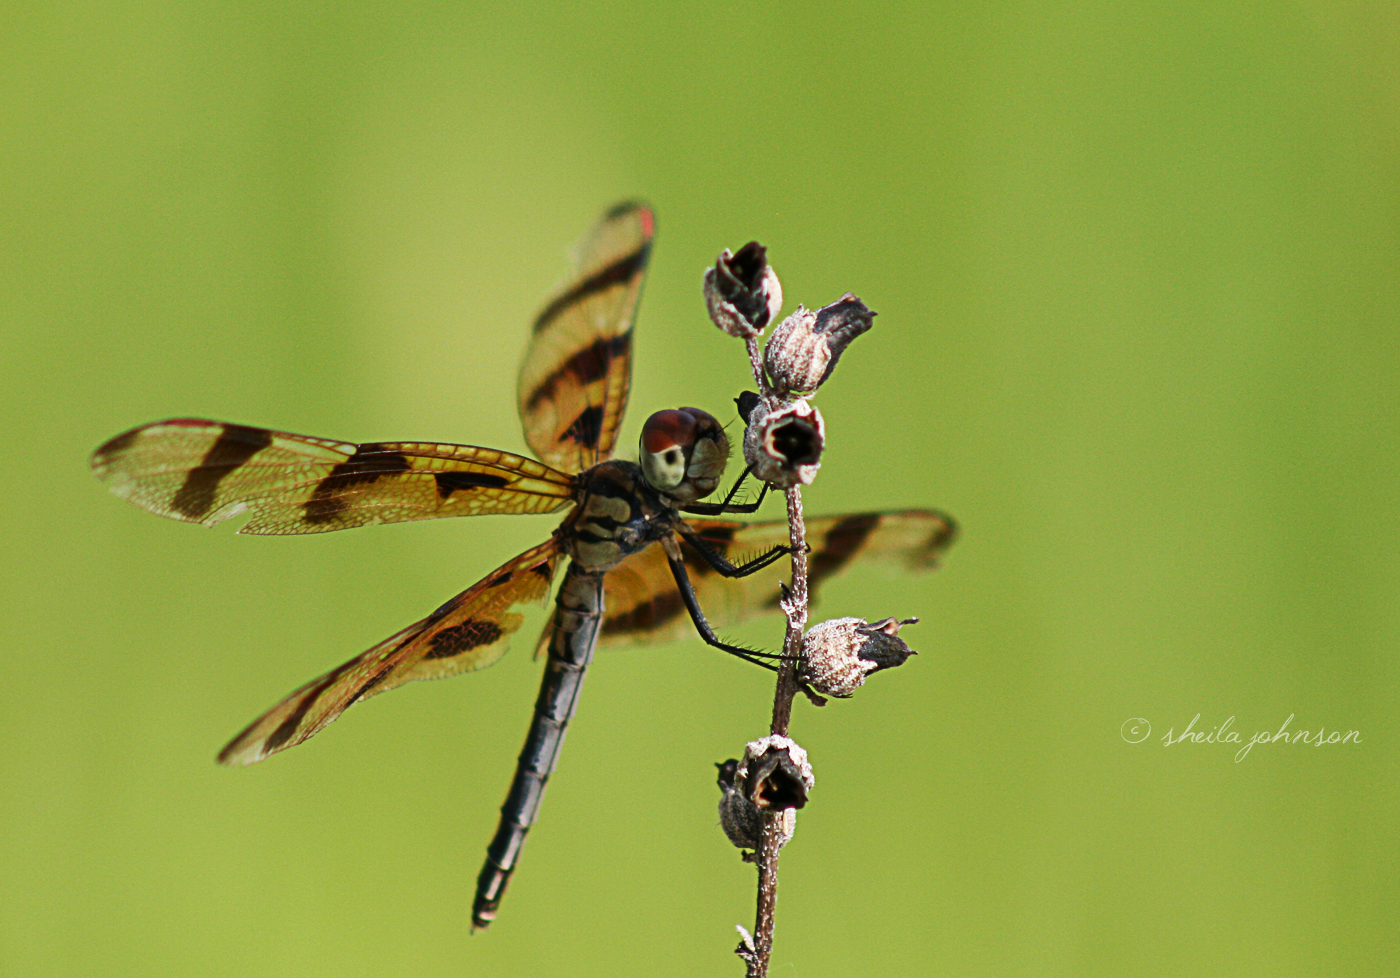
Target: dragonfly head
[683,453]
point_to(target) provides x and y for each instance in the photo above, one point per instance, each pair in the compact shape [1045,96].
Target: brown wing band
[587,365]
[617,273]
[235,445]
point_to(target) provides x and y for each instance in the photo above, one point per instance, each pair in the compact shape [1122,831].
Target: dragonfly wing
[469,632]
[643,603]
[574,381]
[207,471]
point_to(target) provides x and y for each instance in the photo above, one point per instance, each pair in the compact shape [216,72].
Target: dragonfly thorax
[683,453]
[618,514]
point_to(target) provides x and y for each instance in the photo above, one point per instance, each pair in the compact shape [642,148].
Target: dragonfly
[639,565]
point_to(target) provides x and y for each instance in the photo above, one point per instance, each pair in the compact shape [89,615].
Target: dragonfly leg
[717,560]
[729,506]
[678,571]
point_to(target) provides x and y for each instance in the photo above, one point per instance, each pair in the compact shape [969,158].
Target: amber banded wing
[573,383]
[469,632]
[207,471]
[643,604]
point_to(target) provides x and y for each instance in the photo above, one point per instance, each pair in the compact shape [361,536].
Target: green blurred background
[1136,272]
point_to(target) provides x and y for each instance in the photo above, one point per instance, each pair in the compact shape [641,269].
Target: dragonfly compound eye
[667,438]
[683,453]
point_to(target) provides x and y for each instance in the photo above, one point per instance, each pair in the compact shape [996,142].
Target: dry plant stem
[756,364]
[796,608]
[785,691]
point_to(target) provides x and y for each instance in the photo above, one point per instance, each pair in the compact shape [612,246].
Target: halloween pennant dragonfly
[617,587]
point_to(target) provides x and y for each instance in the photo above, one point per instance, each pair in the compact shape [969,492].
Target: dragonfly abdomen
[578,618]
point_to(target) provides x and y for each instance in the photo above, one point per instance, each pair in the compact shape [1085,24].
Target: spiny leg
[729,506]
[721,565]
[692,605]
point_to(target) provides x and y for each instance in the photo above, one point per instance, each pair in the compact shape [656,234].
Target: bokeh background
[1136,270]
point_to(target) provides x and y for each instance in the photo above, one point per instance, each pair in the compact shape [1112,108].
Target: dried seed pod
[774,774]
[742,292]
[841,322]
[784,446]
[740,818]
[804,348]
[838,654]
[795,356]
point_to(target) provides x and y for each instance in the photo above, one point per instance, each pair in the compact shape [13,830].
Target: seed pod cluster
[838,654]
[784,438]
